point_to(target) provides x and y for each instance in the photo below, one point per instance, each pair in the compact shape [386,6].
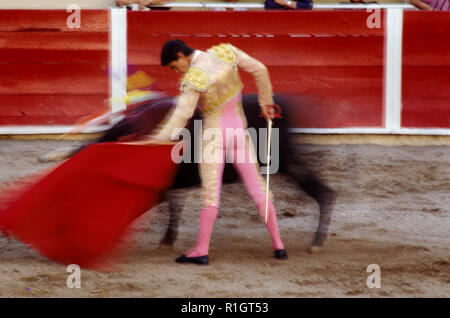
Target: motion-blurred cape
[81,210]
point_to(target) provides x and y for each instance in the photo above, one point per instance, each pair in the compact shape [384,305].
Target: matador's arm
[179,115]
[260,74]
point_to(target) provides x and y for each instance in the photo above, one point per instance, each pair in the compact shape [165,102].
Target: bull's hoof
[165,246]
[57,154]
[317,245]
[315,249]
[166,243]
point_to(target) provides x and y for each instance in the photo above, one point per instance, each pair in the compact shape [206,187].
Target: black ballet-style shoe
[199,260]
[280,254]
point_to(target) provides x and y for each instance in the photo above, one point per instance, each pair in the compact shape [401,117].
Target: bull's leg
[324,195]
[326,200]
[175,206]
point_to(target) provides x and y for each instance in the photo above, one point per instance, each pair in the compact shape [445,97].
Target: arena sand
[392,210]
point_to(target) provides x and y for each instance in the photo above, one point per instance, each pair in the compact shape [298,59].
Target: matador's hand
[268,112]
[271,112]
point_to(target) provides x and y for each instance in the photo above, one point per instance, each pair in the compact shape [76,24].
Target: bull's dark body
[142,120]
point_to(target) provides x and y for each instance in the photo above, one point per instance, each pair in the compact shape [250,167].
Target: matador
[211,83]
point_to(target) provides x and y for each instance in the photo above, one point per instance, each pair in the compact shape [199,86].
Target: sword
[269,133]
[277,114]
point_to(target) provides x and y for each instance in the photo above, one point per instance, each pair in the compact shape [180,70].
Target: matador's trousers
[225,138]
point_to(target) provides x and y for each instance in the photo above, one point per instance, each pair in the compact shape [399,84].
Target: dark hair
[170,50]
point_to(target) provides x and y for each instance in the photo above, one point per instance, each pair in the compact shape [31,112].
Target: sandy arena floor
[393,210]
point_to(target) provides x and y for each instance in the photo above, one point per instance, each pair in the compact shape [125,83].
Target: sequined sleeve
[260,74]
[179,115]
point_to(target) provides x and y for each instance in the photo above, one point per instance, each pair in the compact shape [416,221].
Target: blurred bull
[141,121]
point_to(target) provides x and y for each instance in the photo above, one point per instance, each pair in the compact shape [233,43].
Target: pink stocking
[250,177]
[272,225]
[207,218]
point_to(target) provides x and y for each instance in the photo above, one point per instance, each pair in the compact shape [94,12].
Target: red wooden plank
[277,51]
[54,40]
[28,20]
[53,56]
[48,109]
[326,81]
[270,22]
[426,82]
[426,23]
[340,112]
[431,49]
[53,78]
[426,38]
[426,113]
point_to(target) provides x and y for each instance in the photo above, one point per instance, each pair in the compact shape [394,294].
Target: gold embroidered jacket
[211,80]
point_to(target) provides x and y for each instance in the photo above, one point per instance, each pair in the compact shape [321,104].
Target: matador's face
[181,65]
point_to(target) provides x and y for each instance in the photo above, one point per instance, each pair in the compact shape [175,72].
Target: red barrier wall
[426,70]
[332,58]
[51,74]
